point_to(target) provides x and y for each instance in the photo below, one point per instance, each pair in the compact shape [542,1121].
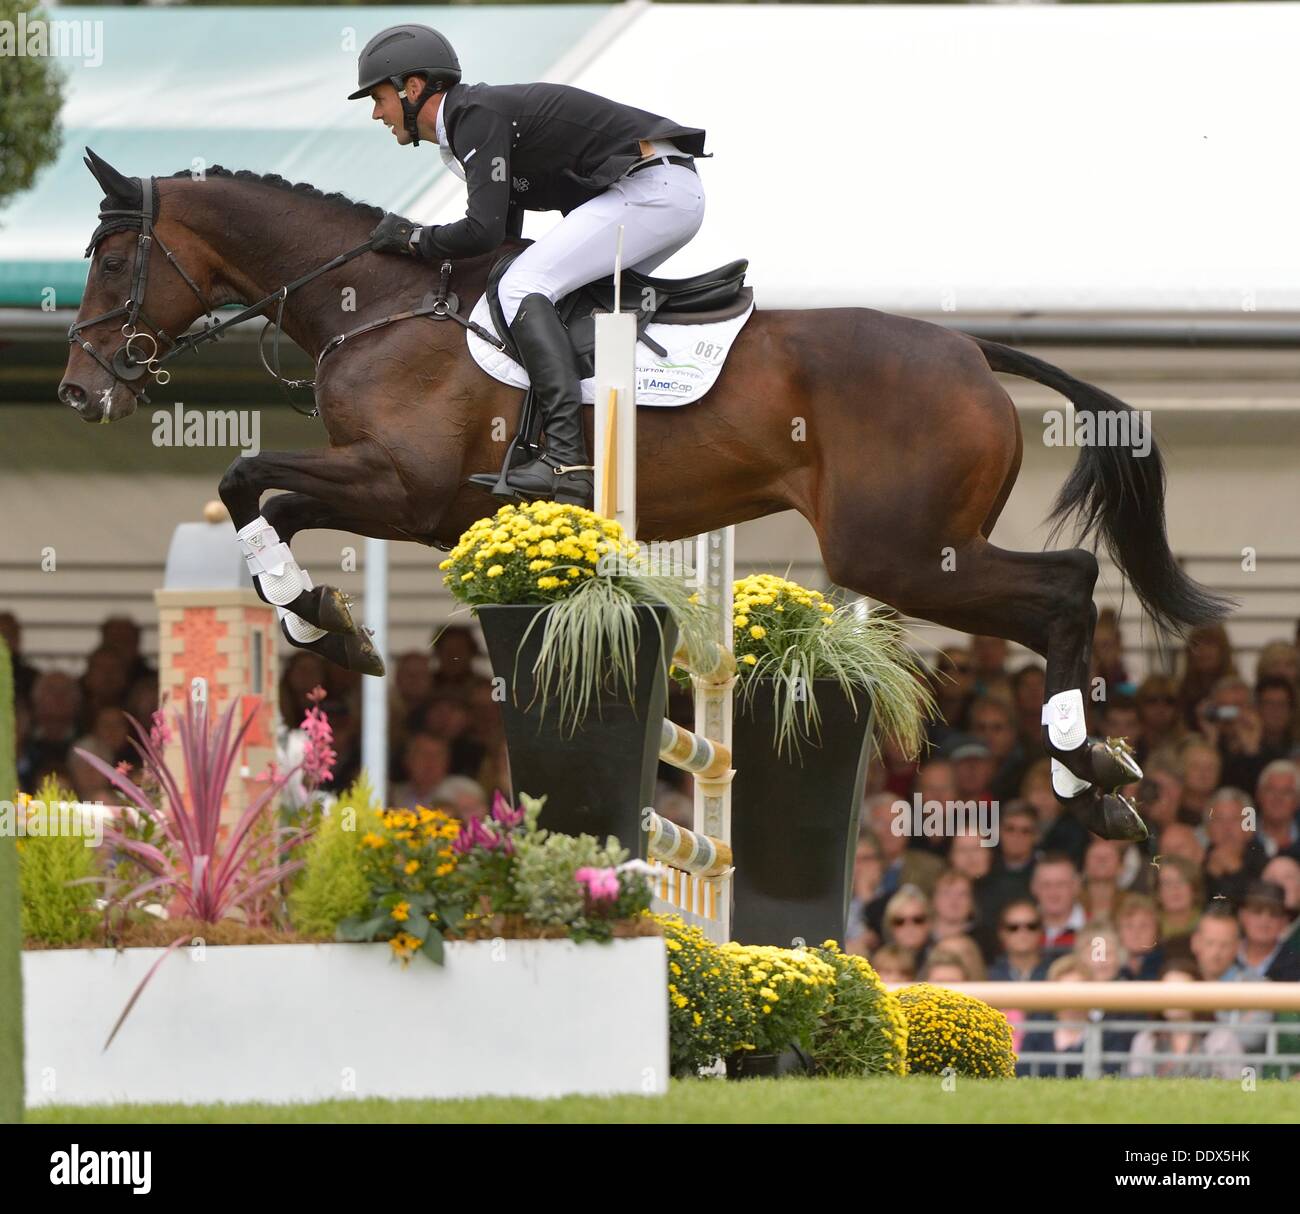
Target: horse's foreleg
[290,513]
[343,481]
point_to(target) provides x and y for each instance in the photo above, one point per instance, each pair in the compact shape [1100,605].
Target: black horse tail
[1118,497]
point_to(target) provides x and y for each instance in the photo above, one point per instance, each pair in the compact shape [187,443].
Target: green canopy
[155,91]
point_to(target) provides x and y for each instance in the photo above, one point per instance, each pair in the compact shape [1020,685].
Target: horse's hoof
[332,611]
[354,652]
[1108,814]
[1114,764]
[1109,764]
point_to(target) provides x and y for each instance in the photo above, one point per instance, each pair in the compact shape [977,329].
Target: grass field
[915,1099]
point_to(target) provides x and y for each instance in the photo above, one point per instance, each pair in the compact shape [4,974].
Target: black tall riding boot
[562,471]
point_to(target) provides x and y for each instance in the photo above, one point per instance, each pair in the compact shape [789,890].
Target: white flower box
[298,1022]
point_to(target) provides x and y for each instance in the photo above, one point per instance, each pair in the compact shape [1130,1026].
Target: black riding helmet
[407,50]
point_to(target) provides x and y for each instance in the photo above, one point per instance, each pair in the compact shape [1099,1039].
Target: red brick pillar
[223,633]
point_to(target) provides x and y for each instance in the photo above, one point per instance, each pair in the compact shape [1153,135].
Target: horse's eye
[112,265]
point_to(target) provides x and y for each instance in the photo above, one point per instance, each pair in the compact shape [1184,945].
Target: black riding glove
[393,235]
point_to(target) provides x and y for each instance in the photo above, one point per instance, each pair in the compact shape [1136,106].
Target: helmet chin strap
[411,109]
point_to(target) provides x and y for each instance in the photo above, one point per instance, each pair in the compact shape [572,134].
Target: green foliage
[29,103]
[11,973]
[333,884]
[56,911]
[431,878]
[550,895]
[709,1016]
[864,1031]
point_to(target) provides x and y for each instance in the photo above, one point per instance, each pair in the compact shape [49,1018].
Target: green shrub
[333,885]
[864,1031]
[55,911]
[547,892]
[708,1014]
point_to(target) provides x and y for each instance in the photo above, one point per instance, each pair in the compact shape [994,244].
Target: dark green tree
[30,88]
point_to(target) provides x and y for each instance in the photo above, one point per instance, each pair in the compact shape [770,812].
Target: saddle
[715,295]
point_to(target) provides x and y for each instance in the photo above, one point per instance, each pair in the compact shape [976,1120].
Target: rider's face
[388,107]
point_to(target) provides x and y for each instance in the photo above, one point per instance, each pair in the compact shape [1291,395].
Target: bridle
[129,365]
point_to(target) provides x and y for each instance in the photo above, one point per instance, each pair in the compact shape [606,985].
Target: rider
[537,147]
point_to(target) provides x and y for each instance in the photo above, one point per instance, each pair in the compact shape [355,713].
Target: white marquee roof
[1136,158]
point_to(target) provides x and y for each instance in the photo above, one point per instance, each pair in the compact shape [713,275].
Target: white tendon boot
[1109,764]
[270,562]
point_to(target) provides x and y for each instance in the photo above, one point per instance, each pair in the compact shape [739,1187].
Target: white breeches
[659,208]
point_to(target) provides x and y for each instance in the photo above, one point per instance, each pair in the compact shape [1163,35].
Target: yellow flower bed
[709,1014]
[536,553]
[946,1029]
[789,990]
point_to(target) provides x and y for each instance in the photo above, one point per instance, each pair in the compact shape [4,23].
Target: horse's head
[134,304]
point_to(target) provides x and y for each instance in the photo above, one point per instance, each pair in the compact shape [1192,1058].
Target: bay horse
[892,436]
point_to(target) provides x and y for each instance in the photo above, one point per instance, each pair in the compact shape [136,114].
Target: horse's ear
[116,186]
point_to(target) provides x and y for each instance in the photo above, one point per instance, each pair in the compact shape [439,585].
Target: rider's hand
[393,235]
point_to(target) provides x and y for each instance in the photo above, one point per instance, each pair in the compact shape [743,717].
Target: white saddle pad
[696,354]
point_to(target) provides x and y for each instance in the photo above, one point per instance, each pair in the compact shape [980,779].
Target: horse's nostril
[72,394]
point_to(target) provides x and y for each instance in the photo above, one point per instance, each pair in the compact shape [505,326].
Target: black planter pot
[748,1065]
[794,826]
[598,778]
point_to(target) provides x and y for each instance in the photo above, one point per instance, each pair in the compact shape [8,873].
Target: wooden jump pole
[1134,996]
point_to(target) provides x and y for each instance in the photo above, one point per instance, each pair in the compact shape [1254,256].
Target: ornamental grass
[793,636]
[949,1030]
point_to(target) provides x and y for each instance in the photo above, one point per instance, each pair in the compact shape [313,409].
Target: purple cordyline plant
[211,876]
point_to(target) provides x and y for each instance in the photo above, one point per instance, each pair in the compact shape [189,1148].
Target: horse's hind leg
[1041,600]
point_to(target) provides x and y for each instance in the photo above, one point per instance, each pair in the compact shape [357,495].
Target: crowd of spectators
[1212,896]
[445,736]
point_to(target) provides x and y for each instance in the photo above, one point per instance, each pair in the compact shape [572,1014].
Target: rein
[129,365]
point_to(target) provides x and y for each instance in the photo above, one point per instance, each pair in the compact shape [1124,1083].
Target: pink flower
[502,813]
[601,883]
[318,757]
[160,733]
